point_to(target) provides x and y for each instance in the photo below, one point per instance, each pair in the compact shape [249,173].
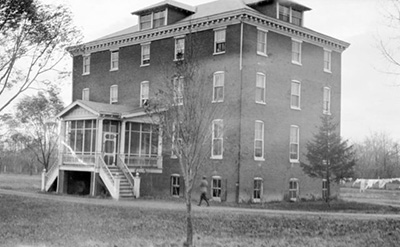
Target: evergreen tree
[329,157]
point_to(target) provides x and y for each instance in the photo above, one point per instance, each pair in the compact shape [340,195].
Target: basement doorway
[78,183]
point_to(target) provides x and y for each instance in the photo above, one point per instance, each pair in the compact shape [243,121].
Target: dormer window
[153,20]
[288,14]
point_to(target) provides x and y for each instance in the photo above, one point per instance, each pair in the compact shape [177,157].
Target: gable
[78,112]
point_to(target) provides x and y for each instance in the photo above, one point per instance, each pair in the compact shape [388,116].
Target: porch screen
[81,136]
[141,144]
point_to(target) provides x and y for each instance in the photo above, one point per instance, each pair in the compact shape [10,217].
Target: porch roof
[101,109]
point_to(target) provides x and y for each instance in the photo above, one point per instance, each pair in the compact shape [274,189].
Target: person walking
[203,190]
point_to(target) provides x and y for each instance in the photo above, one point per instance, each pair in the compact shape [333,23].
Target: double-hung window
[218,90]
[284,13]
[175,185]
[327,101]
[293,189]
[219,41]
[159,19]
[294,143]
[288,14]
[179,48]
[295,95]
[258,189]
[327,60]
[297,18]
[145,54]
[144,93]
[259,140]
[114,60]
[260,88]
[296,52]
[86,65]
[216,188]
[217,139]
[113,94]
[85,94]
[261,42]
[178,90]
[146,21]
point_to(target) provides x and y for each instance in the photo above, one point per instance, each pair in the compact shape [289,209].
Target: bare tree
[33,39]
[183,110]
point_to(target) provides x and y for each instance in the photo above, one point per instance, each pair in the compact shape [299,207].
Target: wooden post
[136,185]
[117,185]
[44,179]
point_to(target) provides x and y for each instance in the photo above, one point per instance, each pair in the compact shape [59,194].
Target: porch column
[61,142]
[99,139]
[122,138]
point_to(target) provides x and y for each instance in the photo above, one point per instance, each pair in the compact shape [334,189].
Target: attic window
[153,20]
[288,14]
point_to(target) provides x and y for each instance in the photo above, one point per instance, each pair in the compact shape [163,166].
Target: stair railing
[125,170]
[50,174]
[108,179]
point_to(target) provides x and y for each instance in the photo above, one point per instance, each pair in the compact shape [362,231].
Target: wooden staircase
[125,188]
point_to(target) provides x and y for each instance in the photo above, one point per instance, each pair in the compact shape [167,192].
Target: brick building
[277,79]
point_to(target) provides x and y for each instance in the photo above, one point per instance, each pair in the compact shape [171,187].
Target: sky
[370,95]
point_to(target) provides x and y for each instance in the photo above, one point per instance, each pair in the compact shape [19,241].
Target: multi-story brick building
[277,79]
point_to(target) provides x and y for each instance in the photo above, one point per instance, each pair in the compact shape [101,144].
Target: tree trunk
[189,225]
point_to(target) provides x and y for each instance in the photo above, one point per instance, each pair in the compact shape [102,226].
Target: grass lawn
[38,222]
[20,182]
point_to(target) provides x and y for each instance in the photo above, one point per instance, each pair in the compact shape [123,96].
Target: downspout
[240,110]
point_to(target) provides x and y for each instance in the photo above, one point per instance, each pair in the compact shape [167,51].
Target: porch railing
[109,180]
[79,159]
[125,170]
[50,176]
[136,161]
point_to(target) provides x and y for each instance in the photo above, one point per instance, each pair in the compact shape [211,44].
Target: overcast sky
[370,99]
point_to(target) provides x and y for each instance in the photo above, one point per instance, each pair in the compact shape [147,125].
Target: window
[293,189]
[175,185]
[159,19]
[294,143]
[86,64]
[219,41]
[296,52]
[290,15]
[324,188]
[260,88]
[218,90]
[217,139]
[295,95]
[114,60]
[85,94]
[81,137]
[141,144]
[113,94]
[178,90]
[327,60]
[216,188]
[259,141]
[145,21]
[257,191]
[327,101]
[144,93]
[261,42]
[145,54]
[179,48]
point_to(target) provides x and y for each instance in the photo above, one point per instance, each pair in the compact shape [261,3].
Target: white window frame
[293,191]
[259,137]
[261,87]
[218,40]
[114,60]
[86,64]
[86,94]
[179,48]
[296,55]
[326,105]
[220,86]
[145,58]
[290,14]
[260,190]
[113,94]
[154,18]
[263,51]
[327,61]
[294,140]
[216,188]
[174,185]
[144,93]
[324,188]
[219,138]
[295,95]
[178,90]
[151,21]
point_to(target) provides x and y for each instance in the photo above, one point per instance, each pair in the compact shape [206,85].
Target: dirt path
[153,204]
